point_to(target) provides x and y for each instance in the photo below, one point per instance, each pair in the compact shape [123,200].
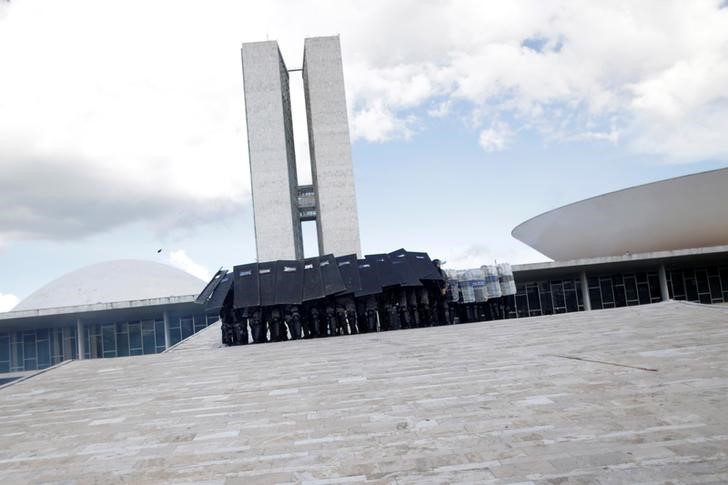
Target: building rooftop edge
[95,307]
[619,259]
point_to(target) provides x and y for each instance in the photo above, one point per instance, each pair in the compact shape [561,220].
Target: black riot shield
[289,282]
[402,268]
[349,273]
[267,282]
[423,266]
[313,282]
[221,291]
[369,278]
[331,275]
[207,291]
[384,268]
[245,282]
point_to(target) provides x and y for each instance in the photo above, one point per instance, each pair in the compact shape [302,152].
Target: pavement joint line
[573,357]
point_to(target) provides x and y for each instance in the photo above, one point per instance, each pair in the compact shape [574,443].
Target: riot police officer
[240,327]
[227,318]
[292,318]
[311,320]
[442,308]
[276,326]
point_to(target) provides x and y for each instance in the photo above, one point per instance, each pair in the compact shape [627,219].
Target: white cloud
[378,123]
[7,302]
[496,138]
[105,119]
[650,75]
[113,113]
[179,259]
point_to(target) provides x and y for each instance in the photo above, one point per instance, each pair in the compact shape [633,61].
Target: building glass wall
[36,349]
[41,348]
[546,298]
[700,284]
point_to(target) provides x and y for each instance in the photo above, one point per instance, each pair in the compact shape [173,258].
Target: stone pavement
[492,402]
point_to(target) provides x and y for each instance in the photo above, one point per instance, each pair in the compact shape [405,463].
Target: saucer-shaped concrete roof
[678,213]
[113,281]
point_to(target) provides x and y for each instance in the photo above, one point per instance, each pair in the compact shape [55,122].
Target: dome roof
[678,213]
[113,281]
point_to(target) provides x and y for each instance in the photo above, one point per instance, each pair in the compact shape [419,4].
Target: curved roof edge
[675,213]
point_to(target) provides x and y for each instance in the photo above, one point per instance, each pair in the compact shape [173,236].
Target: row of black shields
[327,296]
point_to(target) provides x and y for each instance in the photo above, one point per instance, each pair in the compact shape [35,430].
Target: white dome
[113,281]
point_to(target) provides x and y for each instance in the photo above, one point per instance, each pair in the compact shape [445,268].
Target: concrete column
[167,338]
[585,291]
[80,340]
[662,275]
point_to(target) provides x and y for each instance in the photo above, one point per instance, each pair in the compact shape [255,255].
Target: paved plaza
[632,395]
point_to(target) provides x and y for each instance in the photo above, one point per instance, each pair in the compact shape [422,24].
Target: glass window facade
[36,349]
[701,284]
[546,298]
[42,348]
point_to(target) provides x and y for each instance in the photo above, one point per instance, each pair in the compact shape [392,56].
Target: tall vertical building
[271,152]
[279,204]
[330,147]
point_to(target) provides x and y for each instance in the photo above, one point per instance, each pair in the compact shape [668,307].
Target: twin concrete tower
[280,205]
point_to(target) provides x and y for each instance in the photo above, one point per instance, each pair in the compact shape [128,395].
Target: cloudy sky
[122,126]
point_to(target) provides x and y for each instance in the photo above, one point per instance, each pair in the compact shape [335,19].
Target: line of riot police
[399,309]
[481,294]
[328,296]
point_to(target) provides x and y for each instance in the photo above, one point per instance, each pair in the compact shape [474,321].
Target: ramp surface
[496,402]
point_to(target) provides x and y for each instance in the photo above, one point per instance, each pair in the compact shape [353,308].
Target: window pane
[715,290]
[654,284]
[571,303]
[701,277]
[108,333]
[595,297]
[186,324]
[44,354]
[96,347]
[678,285]
[522,305]
[4,348]
[691,288]
[135,338]
[557,292]
[534,303]
[159,331]
[620,298]
[607,293]
[174,336]
[643,292]
[122,345]
[547,307]
[148,340]
[630,288]
[29,345]
[199,322]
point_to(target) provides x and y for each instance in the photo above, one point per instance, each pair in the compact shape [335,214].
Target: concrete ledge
[118,305]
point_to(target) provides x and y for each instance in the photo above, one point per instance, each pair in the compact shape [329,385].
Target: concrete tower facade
[330,146]
[271,152]
[279,204]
